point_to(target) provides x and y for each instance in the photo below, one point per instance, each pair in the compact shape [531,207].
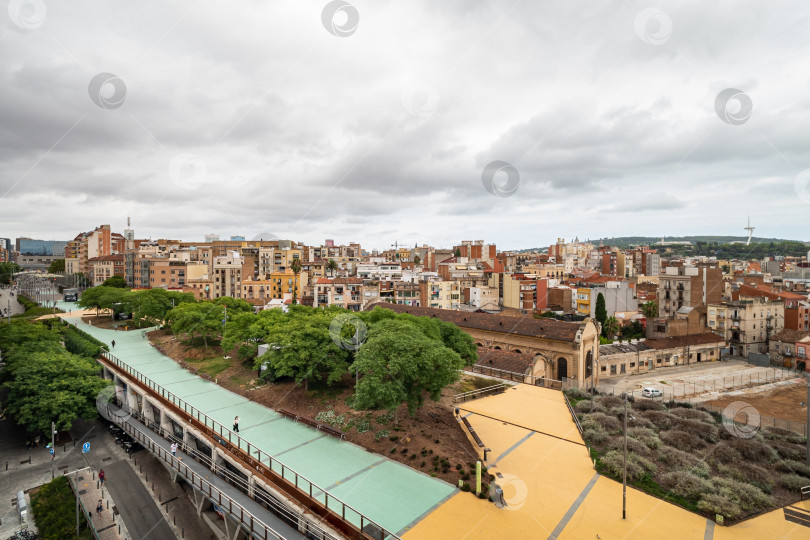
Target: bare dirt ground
[782,402]
[432,441]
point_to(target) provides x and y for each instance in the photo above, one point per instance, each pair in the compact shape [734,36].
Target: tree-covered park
[46,381]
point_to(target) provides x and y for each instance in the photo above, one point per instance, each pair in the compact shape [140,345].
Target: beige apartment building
[443,294]
[228,275]
[747,325]
[688,286]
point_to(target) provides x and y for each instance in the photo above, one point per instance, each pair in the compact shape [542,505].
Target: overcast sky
[376,122]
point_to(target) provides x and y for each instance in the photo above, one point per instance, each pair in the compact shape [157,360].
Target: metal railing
[473,394]
[283,511]
[253,524]
[573,414]
[312,491]
[514,376]
[695,388]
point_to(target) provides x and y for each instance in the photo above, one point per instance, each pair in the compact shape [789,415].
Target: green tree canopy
[45,382]
[7,271]
[203,319]
[102,297]
[400,364]
[235,305]
[152,305]
[57,265]
[611,327]
[115,281]
[601,311]
[332,266]
[650,309]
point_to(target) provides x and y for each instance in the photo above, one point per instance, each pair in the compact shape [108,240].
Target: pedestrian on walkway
[99,507]
[113,344]
[236,424]
[101,477]
[174,449]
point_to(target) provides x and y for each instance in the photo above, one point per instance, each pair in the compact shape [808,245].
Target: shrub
[755,475]
[595,435]
[723,453]
[754,450]
[577,393]
[685,484]
[610,401]
[676,458]
[683,440]
[609,423]
[584,407]
[713,503]
[701,468]
[640,422]
[707,432]
[634,446]
[747,496]
[779,434]
[692,414]
[637,466]
[791,466]
[793,482]
[646,436]
[787,450]
[672,404]
[648,405]
[661,419]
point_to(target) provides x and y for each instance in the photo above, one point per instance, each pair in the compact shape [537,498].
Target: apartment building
[384,271]
[688,286]
[102,268]
[782,347]
[527,293]
[442,294]
[167,273]
[348,293]
[747,325]
[227,277]
[409,293]
[798,317]
[485,298]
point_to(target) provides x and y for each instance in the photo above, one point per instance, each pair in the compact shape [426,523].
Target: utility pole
[624,475]
[53,446]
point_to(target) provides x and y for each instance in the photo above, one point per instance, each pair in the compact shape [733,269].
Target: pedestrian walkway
[107,524]
[552,491]
[390,493]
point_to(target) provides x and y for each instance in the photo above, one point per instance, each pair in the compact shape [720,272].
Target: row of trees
[398,358]
[44,381]
[7,271]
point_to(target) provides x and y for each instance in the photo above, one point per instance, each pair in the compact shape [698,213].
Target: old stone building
[565,351]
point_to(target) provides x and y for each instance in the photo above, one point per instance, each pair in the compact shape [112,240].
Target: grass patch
[471,382]
[210,366]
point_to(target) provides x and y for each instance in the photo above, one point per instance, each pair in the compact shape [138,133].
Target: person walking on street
[236,425]
[174,449]
[112,343]
[101,477]
[99,507]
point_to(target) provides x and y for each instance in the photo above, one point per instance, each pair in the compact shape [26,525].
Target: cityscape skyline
[608,119]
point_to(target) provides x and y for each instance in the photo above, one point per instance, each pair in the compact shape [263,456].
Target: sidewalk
[107,524]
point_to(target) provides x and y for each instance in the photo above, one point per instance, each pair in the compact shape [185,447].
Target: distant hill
[624,242]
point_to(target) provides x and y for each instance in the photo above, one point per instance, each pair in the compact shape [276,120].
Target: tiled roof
[682,341]
[621,348]
[789,336]
[547,328]
[505,360]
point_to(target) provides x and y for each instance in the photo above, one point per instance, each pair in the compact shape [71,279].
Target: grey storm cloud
[256,118]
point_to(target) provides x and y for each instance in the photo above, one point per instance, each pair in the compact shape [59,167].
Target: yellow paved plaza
[552,490]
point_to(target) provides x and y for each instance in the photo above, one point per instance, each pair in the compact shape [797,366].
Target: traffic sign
[51,450]
[85,448]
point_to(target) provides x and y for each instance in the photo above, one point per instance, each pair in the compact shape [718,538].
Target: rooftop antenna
[750,230]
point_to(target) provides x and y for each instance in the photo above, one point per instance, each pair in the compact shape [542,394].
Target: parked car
[651,392]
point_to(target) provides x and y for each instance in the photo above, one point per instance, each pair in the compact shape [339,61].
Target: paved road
[8,301]
[139,511]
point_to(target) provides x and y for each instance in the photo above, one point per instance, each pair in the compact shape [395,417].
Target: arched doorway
[562,368]
[589,364]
